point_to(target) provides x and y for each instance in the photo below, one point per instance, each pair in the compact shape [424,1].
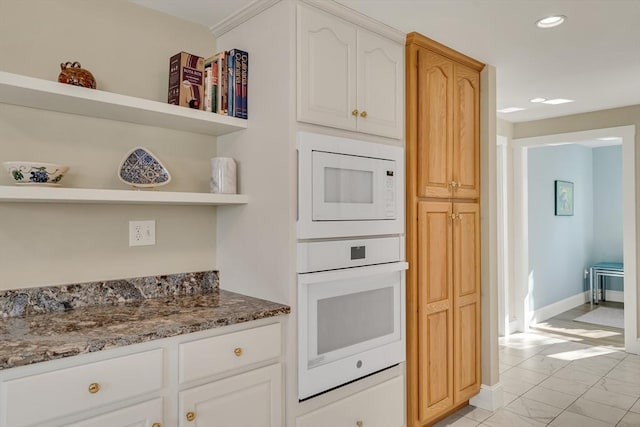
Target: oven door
[348,188]
[350,324]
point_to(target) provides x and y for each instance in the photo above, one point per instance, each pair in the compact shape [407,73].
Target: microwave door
[348,188]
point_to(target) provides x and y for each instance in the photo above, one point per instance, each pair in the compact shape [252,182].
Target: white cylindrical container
[223,175]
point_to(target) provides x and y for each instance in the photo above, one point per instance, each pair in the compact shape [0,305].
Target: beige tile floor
[563,373]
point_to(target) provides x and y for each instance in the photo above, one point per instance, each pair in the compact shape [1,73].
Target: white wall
[560,247]
[127,48]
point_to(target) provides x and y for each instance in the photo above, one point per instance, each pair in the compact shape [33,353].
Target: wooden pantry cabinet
[348,77]
[443,230]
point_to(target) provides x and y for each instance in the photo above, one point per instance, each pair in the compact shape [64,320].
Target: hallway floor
[561,374]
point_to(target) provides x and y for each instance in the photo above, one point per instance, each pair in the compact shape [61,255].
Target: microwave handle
[350,273]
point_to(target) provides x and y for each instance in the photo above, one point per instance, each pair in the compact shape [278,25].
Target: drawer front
[31,400]
[147,414]
[379,406]
[211,356]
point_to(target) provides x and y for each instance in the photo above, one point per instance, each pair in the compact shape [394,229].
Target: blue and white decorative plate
[141,168]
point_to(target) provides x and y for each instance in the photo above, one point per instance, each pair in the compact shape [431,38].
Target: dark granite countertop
[52,335]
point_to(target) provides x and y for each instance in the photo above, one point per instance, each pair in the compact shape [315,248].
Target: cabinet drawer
[31,400]
[145,414]
[210,356]
[379,406]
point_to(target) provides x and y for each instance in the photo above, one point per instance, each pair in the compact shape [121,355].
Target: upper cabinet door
[435,78]
[326,69]
[380,85]
[466,132]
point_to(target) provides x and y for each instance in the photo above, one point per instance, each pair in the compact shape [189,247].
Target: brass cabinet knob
[238,351]
[363,115]
[191,416]
[355,112]
[359,423]
[156,425]
[94,388]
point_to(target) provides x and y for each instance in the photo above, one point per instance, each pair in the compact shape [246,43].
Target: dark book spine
[223,84]
[237,73]
[230,83]
[214,86]
[174,80]
[244,84]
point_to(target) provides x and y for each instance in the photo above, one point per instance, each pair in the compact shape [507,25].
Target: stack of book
[225,83]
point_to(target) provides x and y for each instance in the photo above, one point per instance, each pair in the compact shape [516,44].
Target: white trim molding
[524,312]
[548,311]
[249,11]
[359,19]
[490,397]
[614,296]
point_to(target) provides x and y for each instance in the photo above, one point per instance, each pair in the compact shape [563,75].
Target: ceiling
[593,58]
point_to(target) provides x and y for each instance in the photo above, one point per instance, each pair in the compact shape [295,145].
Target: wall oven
[348,187]
[351,310]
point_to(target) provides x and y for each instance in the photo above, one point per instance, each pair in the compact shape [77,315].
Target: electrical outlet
[142,233]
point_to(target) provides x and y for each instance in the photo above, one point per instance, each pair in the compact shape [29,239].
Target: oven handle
[350,273]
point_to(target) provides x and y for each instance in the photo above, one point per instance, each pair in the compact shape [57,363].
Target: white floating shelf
[50,95]
[88,195]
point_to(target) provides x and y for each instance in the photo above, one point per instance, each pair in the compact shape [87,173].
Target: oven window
[354,318]
[348,186]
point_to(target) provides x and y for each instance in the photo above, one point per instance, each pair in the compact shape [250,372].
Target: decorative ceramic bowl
[141,168]
[35,173]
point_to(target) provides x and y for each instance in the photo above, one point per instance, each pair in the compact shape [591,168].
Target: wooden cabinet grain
[443,229]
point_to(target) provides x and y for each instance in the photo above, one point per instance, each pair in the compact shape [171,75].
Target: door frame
[523,310]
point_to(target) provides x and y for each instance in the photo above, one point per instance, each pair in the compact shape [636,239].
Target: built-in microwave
[348,187]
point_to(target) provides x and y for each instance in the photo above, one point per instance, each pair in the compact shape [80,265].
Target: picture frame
[563,198]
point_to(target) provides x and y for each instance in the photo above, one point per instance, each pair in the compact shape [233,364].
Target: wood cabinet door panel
[434,252]
[435,74]
[435,321]
[467,373]
[379,85]
[466,288]
[466,248]
[466,132]
[326,69]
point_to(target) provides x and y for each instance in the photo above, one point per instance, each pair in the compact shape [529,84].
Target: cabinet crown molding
[357,18]
[427,43]
[249,11]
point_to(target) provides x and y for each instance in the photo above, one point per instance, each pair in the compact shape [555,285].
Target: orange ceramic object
[74,74]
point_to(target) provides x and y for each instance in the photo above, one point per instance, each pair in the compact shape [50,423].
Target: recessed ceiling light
[510,110]
[557,101]
[551,21]
[538,100]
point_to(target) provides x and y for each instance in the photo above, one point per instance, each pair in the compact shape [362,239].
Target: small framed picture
[564,198]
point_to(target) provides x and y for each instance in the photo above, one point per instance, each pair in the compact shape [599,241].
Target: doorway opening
[519,313]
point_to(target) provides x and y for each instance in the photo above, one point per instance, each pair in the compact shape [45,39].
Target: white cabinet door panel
[145,414]
[380,85]
[326,69]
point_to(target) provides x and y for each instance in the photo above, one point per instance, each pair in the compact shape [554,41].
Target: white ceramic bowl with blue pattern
[35,173]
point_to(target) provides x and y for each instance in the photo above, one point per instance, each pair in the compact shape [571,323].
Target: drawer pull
[156,425]
[191,416]
[238,351]
[355,112]
[364,116]
[94,388]
[359,424]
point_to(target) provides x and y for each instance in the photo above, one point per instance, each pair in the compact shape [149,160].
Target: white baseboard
[556,308]
[615,296]
[489,398]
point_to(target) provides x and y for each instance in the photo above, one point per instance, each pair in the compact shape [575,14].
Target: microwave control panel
[389,192]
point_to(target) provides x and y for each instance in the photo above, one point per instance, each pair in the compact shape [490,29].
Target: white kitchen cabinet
[143,385]
[348,77]
[147,414]
[379,406]
[79,388]
[251,399]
